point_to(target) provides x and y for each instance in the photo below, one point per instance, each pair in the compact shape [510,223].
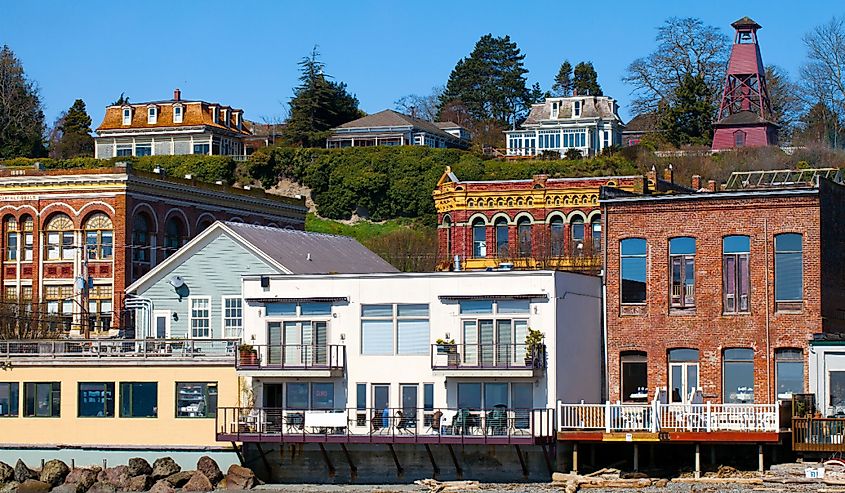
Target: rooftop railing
[487,356]
[657,417]
[142,349]
[415,425]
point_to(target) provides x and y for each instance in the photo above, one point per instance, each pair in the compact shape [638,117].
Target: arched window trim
[524,231]
[99,237]
[501,231]
[478,227]
[59,236]
[11,238]
[141,237]
[174,234]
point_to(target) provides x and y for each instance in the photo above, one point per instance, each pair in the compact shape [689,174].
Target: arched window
[479,238]
[447,225]
[59,238]
[576,234]
[738,376]
[141,238]
[174,233]
[203,225]
[10,227]
[789,271]
[556,236]
[633,270]
[682,272]
[27,227]
[736,281]
[502,237]
[595,230]
[99,237]
[739,138]
[523,230]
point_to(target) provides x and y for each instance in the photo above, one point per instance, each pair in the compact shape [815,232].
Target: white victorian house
[586,123]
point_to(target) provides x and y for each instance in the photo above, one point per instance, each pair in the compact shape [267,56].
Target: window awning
[313,299]
[459,297]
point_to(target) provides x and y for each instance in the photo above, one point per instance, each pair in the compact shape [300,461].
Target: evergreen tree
[536,95]
[121,100]
[21,115]
[585,80]
[688,118]
[563,80]
[318,105]
[490,82]
[72,134]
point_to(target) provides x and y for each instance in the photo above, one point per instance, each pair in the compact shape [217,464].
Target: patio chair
[497,421]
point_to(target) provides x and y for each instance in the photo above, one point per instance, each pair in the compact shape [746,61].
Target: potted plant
[248,355]
[446,346]
[533,347]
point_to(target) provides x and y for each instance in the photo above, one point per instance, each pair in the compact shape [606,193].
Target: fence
[656,417]
[120,348]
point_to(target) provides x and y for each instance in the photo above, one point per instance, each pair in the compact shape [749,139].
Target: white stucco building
[586,123]
[358,343]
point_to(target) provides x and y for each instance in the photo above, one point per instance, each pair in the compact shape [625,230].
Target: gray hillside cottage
[196,292]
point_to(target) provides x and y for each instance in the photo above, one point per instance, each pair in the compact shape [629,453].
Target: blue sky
[244,53]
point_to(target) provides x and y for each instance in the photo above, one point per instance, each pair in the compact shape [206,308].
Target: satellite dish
[176,281]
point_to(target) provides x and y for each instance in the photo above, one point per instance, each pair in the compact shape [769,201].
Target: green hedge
[392,182]
[203,168]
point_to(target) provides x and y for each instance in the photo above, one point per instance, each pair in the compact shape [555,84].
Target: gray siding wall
[214,271]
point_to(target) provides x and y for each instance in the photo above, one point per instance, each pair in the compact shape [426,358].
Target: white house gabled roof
[290,251]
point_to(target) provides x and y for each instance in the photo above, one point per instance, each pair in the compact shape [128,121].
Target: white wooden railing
[656,417]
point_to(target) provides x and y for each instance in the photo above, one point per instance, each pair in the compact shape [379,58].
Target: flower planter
[249,358]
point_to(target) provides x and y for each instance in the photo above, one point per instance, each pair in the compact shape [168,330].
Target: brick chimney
[696,182]
[652,174]
[711,185]
[177,95]
[669,174]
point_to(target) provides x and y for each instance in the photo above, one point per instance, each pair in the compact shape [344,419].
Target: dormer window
[555,109]
[152,115]
[177,114]
[238,121]
[214,115]
[127,116]
[576,109]
[225,117]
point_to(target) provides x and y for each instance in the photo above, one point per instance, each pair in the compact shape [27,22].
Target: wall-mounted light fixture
[175,317]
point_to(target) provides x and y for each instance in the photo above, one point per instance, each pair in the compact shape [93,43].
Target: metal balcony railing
[169,349]
[424,425]
[487,356]
[293,356]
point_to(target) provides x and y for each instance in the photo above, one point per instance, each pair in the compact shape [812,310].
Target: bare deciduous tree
[824,73]
[422,107]
[684,46]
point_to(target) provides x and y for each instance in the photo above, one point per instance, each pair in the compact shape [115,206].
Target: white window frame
[178,109]
[152,115]
[127,116]
[166,314]
[224,319]
[191,317]
[576,109]
[395,318]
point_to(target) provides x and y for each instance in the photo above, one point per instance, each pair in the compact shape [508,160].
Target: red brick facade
[654,328]
[30,199]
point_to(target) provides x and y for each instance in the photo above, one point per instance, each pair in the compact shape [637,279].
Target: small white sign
[814,473]
[629,437]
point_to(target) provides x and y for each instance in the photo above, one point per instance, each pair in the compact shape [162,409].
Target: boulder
[101,487]
[162,486]
[10,487]
[54,472]
[7,472]
[164,467]
[82,478]
[22,473]
[210,469]
[179,479]
[117,476]
[139,466]
[141,482]
[239,478]
[198,482]
[68,488]
[33,486]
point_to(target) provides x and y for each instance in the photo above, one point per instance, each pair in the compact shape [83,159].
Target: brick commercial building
[721,290]
[541,223]
[74,239]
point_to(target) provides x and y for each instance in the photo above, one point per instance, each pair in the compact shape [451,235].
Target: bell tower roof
[746,23]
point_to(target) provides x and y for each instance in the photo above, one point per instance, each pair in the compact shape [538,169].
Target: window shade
[377,337]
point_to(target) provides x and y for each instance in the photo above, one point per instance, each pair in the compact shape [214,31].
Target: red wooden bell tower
[744,118]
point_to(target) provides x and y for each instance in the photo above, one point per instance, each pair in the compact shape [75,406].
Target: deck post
[399,469]
[522,460]
[697,461]
[353,470]
[607,416]
[458,469]
[435,469]
[709,420]
[575,458]
[760,462]
[636,457]
[327,460]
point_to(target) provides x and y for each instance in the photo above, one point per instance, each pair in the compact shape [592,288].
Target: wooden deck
[690,437]
[824,435]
